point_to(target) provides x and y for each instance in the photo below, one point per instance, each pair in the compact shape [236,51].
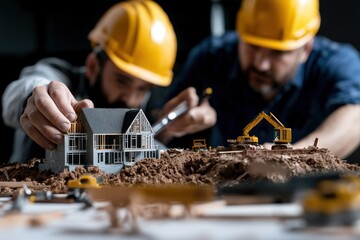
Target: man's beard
[267,88]
[96,94]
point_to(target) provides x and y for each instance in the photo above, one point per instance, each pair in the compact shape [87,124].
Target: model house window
[76,158]
[126,141]
[118,157]
[146,141]
[133,141]
[107,141]
[100,142]
[112,142]
[100,158]
[72,143]
[77,142]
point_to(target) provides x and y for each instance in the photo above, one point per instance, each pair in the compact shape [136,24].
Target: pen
[177,112]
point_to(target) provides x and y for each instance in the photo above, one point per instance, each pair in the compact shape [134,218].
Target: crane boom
[271,119]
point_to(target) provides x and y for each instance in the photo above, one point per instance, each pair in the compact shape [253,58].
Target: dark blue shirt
[329,79]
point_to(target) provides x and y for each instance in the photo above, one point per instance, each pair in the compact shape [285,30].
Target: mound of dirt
[184,166]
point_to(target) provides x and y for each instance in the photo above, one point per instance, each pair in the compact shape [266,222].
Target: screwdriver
[177,112]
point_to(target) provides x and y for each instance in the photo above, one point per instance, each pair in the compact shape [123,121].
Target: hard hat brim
[276,45]
[138,72]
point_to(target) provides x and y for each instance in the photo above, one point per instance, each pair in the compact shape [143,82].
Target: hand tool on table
[333,202]
[13,212]
[327,199]
[177,112]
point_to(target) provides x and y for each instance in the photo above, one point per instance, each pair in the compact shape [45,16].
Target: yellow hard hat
[278,24]
[139,38]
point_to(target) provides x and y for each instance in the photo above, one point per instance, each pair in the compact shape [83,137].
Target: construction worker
[134,48]
[275,62]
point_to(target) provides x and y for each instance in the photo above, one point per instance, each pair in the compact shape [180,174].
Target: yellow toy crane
[282,135]
[333,202]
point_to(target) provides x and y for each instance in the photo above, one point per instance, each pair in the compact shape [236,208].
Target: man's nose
[262,61]
[131,99]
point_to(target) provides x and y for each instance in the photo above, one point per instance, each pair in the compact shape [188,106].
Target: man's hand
[48,113]
[200,116]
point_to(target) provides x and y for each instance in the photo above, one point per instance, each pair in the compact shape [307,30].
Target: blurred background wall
[30,30]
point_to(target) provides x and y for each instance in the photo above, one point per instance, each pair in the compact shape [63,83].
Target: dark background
[32,29]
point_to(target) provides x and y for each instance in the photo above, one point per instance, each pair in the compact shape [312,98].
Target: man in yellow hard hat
[134,49]
[275,62]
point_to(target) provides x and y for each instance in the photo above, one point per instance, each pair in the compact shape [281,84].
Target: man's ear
[306,50]
[92,68]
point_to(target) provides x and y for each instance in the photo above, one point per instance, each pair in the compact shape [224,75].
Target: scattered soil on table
[178,166]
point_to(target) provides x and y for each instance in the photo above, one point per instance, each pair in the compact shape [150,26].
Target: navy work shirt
[329,79]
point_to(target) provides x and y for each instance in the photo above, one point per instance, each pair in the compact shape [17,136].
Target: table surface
[258,221]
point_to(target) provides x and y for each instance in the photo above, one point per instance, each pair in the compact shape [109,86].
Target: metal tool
[177,112]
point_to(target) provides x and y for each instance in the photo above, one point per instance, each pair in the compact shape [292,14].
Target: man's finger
[35,134]
[40,122]
[63,99]
[47,107]
[85,103]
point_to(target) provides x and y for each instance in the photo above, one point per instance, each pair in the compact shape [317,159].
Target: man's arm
[339,74]
[16,93]
[340,132]
[14,97]
[43,108]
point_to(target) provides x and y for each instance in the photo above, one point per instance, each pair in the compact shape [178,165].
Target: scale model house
[104,137]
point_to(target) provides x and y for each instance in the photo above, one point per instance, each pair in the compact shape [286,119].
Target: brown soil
[184,166]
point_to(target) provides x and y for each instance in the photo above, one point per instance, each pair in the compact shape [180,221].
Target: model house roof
[108,120]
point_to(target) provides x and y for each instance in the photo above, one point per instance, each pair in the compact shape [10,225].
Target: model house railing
[76,127]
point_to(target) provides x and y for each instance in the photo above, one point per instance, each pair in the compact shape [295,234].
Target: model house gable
[138,123]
